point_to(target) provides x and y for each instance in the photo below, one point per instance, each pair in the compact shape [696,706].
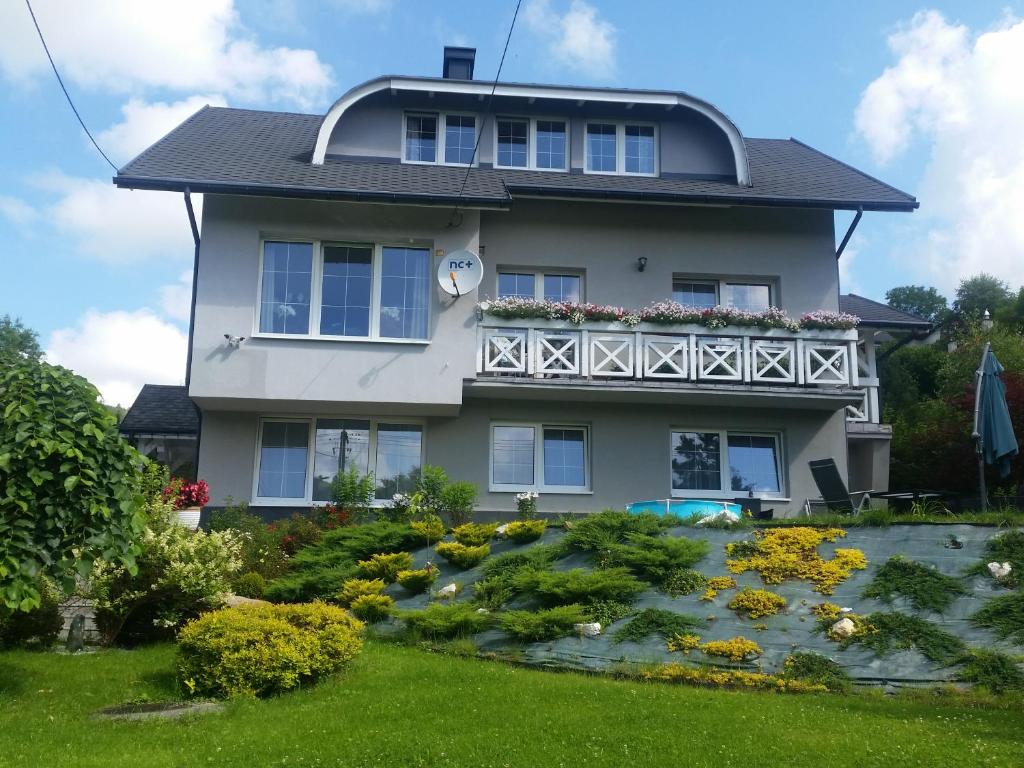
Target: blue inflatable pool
[684,507]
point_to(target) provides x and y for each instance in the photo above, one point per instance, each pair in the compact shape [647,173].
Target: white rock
[846,610]
[725,516]
[449,591]
[234,601]
[999,570]
[501,530]
[842,629]
[483,611]
[589,629]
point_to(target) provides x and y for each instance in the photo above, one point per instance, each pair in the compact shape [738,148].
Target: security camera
[234,341]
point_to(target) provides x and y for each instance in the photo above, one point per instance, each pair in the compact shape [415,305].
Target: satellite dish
[460,272]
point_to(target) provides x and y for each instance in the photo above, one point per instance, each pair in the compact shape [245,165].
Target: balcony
[815,364]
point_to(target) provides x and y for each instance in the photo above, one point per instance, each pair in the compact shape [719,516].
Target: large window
[459,139]
[552,286]
[391,451]
[345,290]
[421,138]
[531,143]
[513,144]
[552,458]
[626,148]
[552,149]
[692,293]
[725,464]
[750,296]
[753,297]
[439,137]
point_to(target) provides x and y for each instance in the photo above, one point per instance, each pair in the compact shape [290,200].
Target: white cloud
[118,226]
[176,298]
[579,38]
[120,351]
[144,123]
[16,211]
[123,46]
[848,282]
[959,93]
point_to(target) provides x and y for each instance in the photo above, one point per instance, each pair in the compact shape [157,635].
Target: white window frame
[538,278]
[721,282]
[307,499]
[316,291]
[531,143]
[538,459]
[724,466]
[441,134]
[620,147]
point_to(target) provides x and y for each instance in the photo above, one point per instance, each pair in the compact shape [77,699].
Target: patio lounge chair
[834,495]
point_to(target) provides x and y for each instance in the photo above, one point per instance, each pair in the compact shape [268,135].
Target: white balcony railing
[688,353]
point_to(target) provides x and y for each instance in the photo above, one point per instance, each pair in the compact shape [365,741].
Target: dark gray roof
[874,314]
[240,151]
[161,409]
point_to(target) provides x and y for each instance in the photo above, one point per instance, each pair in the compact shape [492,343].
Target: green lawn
[403,707]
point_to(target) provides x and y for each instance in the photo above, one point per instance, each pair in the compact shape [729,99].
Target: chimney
[458,63]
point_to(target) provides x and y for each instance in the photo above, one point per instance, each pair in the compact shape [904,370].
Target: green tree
[918,300]
[16,338]
[69,484]
[909,375]
[979,293]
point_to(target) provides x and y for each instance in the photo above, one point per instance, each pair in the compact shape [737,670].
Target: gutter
[849,232]
[192,319]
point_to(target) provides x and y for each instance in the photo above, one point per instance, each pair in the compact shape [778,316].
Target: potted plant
[189,500]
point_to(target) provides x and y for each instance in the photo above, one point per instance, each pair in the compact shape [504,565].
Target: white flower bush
[526,504]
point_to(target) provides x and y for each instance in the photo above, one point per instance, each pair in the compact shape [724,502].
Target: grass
[399,706]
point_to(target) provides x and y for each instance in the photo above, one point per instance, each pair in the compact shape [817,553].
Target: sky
[926,96]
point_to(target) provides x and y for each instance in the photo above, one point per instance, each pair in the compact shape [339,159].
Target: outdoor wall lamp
[986,321]
[641,264]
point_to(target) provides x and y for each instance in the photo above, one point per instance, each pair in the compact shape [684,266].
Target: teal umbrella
[993,429]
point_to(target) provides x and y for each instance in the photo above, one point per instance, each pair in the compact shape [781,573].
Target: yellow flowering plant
[778,554]
[716,584]
[756,603]
[730,678]
[733,649]
[683,642]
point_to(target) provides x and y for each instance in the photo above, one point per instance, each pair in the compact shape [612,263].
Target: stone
[846,610]
[448,592]
[588,629]
[237,601]
[999,570]
[501,530]
[842,629]
[482,611]
[76,634]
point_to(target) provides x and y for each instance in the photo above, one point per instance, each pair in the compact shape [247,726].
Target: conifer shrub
[442,622]
[385,566]
[474,534]
[1004,615]
[545,624]
[372,608]
[656,621]
[525,531]
[353,589]
[994,670]
[817,669]
[579,585]
[462,556]
[417,581]
[656,558]
[923,585]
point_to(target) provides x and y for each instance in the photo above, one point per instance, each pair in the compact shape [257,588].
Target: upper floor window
[459,139]
[626,148]
[421,138]
[345,290]
[531,143]
[551,286]
[454,144]
[750,296]
[754,297]
[692,293]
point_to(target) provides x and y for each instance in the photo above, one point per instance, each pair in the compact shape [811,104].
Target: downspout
[849,232]
[192,317]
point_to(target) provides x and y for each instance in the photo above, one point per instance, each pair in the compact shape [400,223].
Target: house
[369,288]
[163,424]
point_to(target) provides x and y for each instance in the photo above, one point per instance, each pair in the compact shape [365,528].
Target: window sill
[542,491]
[725,496]
[345,339]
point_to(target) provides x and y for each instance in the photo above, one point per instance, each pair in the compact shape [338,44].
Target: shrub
[733,649]
[429,527]
[655,558]
[816,669]
[600,532]
[655,621]
[417,581]
[729,678]
[372,608]
[683,643]
[260,546]
[756,603]
[996,671]
[549,624]
[457,502]
[827,611]
[260,650]
[507,565]
[295,533]
[493,592]
[474,534]
[402,509]
[438,621]
[526,505]
[38,626]
[884,633]
[1004,615]
[462,556]
[791,553]
[250,585]
[925,587]
[683,581]
[385,566]
[578,585]
[429,486]
[353,589]
[354,492]
[329,516]
[715,585]
[607,612]
[525,531]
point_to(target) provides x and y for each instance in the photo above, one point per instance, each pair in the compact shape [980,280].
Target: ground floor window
[545,457]
[298,459]
[721,463]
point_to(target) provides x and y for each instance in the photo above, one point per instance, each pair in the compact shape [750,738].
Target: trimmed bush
[579,586]
[474,534]
[756,603]
[372,608]
[525,531]
[251,585]
[39,626]
[265,649]
[462,556]
[353,589]
[438,621]
[549,624]
[417,581]
[385,566]
[430,528]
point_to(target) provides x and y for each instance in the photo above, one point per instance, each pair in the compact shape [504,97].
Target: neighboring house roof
[874,314]
[161,409]
[240,151]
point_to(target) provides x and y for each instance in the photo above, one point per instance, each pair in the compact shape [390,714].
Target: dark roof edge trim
[858,171]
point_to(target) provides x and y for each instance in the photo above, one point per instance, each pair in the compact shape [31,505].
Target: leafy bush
[525,531]
[429,486]
[250,585]
[756,603]
[429,527]
[417,581]
[815,668]
[70,493]
[996,671]
[655,621]
[260,546]
[683,581]
[925,587]
[260,650]
[655,558]
[457,502]
[372,608]
[462,556]
[1004,615]
[295,533]
[888,632]
[607,612]
[38,626]
[353,589]
[385,566]
[438,621]
[549,624]
[474,534]
[602,531]
[733,649]
[354,493]
[578,585]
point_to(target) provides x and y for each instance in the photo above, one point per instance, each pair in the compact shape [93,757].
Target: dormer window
[522,142]
[622,148]
[424,143]
[459,139]
[421,138]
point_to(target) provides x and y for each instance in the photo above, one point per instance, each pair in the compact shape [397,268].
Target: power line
[487,109]
[81,122]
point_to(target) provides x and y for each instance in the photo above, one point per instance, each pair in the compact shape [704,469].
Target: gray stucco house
[325,335]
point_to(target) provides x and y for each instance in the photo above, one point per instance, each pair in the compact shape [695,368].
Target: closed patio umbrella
[993,429]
